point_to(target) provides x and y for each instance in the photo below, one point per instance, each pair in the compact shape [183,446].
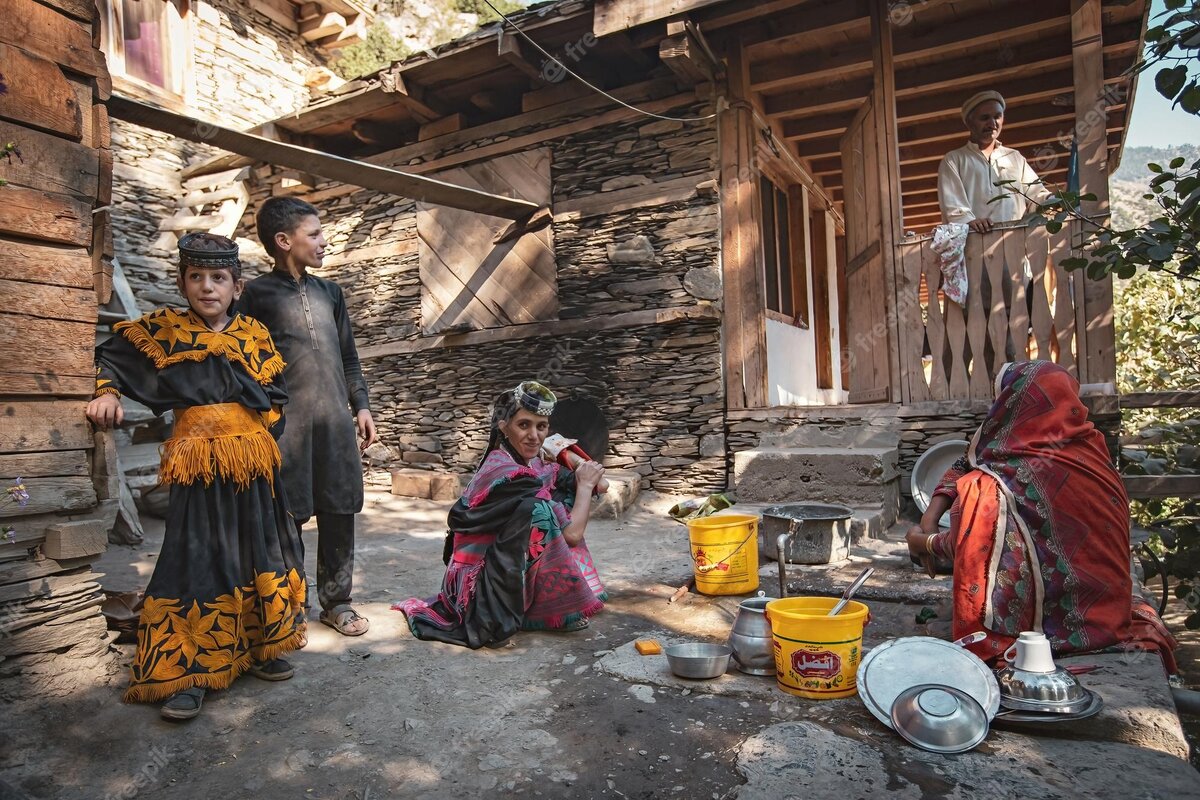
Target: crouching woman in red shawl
[515,554]
[1039,530]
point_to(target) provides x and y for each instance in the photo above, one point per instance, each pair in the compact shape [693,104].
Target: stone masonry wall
[246,70]
[659,385]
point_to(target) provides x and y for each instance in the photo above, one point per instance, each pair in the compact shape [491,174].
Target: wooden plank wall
[958,350]
[55,268]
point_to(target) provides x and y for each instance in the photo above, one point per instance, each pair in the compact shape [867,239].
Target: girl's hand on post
[106,411]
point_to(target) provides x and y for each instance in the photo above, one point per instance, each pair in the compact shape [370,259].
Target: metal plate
[928,471]
[1039,718]
[890,669]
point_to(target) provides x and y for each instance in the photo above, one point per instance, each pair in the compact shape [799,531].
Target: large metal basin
[817,533]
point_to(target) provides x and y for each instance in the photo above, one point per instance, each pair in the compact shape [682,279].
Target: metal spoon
[851,589]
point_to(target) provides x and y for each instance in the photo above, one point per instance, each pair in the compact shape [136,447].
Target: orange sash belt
[224,440]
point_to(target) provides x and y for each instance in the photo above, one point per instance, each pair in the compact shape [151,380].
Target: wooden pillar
[1097,356]
[888,179]
[743,332]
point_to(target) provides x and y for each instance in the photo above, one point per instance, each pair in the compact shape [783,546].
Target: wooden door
[867,329]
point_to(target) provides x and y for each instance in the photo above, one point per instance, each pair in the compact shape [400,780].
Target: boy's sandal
[183,705]
[343,619]
[274,670]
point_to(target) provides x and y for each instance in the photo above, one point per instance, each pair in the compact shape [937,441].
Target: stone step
[623,488]
[854,477]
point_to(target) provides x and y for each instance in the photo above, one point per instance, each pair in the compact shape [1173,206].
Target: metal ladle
[851,589]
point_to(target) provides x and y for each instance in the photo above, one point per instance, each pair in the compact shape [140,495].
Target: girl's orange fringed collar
[169,336]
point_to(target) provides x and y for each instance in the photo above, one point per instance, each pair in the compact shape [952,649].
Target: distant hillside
[1129,182]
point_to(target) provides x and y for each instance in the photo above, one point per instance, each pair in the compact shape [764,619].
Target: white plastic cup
[1031,652]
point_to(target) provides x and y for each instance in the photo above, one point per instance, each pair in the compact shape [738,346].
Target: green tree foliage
[378,50]
[485,13]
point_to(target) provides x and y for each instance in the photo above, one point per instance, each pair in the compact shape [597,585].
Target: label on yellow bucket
[817,669]
[724,568]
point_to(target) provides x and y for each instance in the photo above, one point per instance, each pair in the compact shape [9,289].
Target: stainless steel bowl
[698,660]
[940,719]
[1057,692]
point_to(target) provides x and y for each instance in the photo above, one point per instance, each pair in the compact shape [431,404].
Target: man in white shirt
[967,177]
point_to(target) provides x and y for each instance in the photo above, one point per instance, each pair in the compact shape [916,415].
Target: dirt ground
[385,715]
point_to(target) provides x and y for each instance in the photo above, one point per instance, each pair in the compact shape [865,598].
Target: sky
[1154,124]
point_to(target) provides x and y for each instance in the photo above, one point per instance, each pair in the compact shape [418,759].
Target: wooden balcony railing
[953,352]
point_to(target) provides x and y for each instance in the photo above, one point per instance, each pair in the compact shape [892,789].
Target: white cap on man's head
[981,97]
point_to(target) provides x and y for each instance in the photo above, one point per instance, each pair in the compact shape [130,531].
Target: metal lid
[896,666]
[940,719]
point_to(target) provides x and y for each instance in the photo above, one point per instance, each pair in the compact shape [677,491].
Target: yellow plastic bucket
[725,553]
[816,655]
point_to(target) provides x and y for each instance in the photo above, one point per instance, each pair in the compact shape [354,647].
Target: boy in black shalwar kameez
[322,462]
[228,590]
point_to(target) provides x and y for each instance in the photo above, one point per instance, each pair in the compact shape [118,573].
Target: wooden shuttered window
[784,251]
[468,282]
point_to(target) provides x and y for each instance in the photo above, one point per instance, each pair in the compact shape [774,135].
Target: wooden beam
[884,92]
[1184,399]
[1145,487]
[916,43]
[799,130]
[743,326]
[44,32]
[413,96]
[330,167]
[684,56]
[38,94]
[566,327]
[1099,363]
[321,26]
[820,67]
[612,16]
[512,51]
[813,23]
[847,96]
[354,32]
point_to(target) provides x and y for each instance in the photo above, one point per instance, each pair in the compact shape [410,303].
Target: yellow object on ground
[648,647]
[816,656]
[725,553]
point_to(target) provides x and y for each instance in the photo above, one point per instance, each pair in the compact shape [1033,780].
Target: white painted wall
[792,352]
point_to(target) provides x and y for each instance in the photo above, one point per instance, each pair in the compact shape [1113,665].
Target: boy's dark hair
[281,215]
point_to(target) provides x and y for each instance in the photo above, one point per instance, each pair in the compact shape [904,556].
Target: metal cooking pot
[817,533]
[753,648]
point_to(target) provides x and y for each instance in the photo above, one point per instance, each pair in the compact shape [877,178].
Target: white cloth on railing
[950,244]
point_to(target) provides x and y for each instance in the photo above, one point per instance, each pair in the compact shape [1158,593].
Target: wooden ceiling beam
[812,68]
[1026,138]
[942,106]
[413,96]
[512,51]
[804,26]
[916,42]
[953,129]
[799,130]
[847,96]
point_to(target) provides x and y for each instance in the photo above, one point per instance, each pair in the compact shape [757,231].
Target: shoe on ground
[183,705]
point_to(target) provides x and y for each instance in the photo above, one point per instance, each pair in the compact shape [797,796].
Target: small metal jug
[753,648]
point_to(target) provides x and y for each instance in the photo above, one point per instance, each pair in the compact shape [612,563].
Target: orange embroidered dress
[228,588]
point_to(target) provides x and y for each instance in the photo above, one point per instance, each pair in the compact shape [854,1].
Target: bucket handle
[702,568]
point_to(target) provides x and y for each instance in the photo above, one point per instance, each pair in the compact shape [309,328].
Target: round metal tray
[928,471]
[1041,718]
[895,666]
